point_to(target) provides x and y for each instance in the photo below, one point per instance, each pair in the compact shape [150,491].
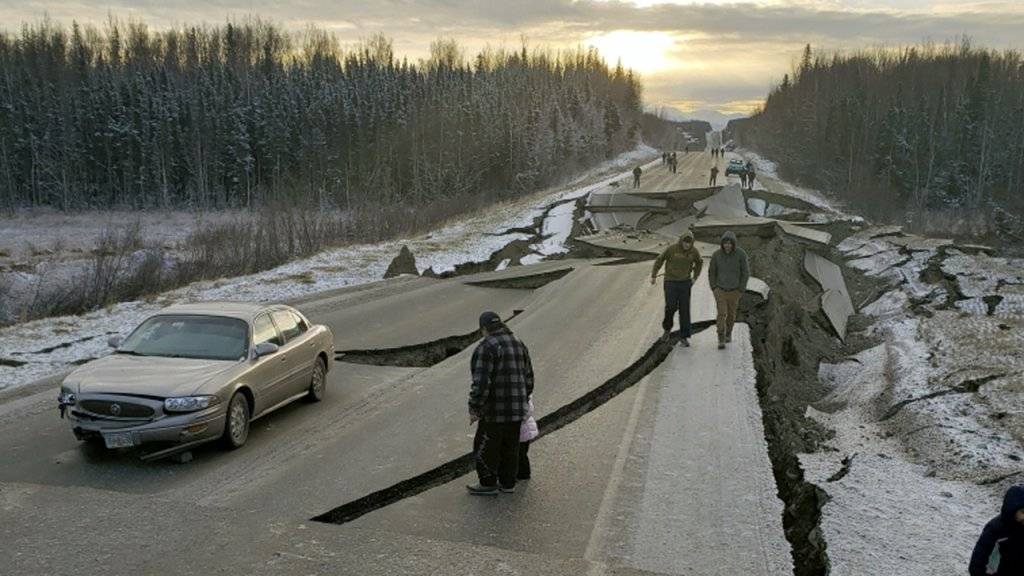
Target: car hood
[150,375]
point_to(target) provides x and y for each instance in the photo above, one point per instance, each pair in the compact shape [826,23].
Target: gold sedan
[195,373]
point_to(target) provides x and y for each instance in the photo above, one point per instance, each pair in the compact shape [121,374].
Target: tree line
[915,131]
[246,113]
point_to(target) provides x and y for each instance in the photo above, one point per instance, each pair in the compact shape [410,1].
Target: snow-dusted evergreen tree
[245,113]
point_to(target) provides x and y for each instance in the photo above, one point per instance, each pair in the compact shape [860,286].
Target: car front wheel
[236,429]
[318,383]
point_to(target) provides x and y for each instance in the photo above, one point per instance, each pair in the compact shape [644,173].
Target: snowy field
[54,345]
[929,425]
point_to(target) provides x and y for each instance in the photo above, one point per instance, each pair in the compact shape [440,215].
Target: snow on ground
[77,338]
[931,422]
[768,170]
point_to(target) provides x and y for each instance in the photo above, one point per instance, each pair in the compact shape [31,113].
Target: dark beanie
[490,320]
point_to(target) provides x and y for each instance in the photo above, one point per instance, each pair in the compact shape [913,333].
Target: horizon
[703,58]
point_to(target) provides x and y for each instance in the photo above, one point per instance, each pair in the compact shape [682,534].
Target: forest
[931,136]
[246,113]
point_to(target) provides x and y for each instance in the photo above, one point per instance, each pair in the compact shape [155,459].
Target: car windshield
[736,162]
[201,337]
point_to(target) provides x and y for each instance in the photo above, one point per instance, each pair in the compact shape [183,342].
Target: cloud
[721,52]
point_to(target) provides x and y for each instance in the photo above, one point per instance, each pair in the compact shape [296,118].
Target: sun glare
[644,52]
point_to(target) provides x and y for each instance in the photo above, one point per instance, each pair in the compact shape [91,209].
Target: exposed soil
[790,337]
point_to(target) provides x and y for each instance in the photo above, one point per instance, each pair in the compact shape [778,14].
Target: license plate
[119,440]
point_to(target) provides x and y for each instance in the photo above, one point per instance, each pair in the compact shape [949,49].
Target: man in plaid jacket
[499,401]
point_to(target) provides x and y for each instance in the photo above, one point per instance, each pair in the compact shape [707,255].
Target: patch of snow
[880,517]
[888,304]
[877,264]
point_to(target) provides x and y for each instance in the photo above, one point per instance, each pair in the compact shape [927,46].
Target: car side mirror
[265,349]
[115,341]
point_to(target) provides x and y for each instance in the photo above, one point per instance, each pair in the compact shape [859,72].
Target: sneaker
[721,345]
[666,335]
[480,490]
[509,490]
[685,342]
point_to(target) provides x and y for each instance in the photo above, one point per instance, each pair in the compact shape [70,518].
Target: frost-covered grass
[467,239]
[933,418]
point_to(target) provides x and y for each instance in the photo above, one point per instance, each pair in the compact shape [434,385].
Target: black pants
[714,178]
[496,451]
[636,181]
[524,461]
[677,297]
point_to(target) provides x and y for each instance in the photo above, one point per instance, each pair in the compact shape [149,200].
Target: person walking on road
[636,176]
[714,176]
[728,274]
[750,176]
[682,264]
[743,180]
[675,163]
[1004,534]
[499,402]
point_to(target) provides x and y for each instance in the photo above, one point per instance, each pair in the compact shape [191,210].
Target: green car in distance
[736,167]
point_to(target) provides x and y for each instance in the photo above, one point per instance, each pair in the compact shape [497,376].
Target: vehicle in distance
[736,167]
[194,373]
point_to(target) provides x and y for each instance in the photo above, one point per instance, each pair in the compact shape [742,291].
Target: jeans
[677,297]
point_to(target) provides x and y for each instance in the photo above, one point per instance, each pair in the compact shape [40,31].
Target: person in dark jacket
[751,174]
[636,176]
[728,274]
[499,400]
[1004,534]
[682,267]
[714,176]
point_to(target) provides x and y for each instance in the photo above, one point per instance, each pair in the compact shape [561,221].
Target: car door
[298,347]
[269,375]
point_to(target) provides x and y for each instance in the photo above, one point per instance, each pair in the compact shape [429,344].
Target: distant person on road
[499,401]
[743,179]
[664,158]
[728,274]
[636,176]
[750,176]
[675,163]
[682,267]
[1003,535]
[714,176]
[528,432]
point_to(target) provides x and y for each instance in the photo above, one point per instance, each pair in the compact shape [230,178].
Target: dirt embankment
[791,336]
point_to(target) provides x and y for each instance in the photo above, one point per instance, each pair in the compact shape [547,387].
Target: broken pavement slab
[804,233]
[835,298]
[728,203]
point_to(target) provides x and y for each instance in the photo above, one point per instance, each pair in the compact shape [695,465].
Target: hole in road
[416,355]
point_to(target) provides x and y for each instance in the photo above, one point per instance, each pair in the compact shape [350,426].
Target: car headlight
[189,403]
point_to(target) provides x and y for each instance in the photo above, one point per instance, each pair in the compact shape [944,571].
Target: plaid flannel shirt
[502,379]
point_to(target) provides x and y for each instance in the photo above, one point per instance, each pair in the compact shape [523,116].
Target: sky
[719,55]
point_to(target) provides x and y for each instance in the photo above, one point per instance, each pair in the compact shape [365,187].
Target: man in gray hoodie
[728,274]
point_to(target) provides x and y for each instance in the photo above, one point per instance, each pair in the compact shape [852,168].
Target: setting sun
[644,52]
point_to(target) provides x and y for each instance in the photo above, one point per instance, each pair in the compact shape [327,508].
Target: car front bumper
[170,430]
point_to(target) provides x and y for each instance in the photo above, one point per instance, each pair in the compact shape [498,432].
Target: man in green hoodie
[728,274]
[682,267]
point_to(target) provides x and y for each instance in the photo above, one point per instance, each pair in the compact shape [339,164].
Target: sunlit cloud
[645,52]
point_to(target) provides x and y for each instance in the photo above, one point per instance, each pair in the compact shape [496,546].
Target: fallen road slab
[728,203]
[835,299]
[804,233]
